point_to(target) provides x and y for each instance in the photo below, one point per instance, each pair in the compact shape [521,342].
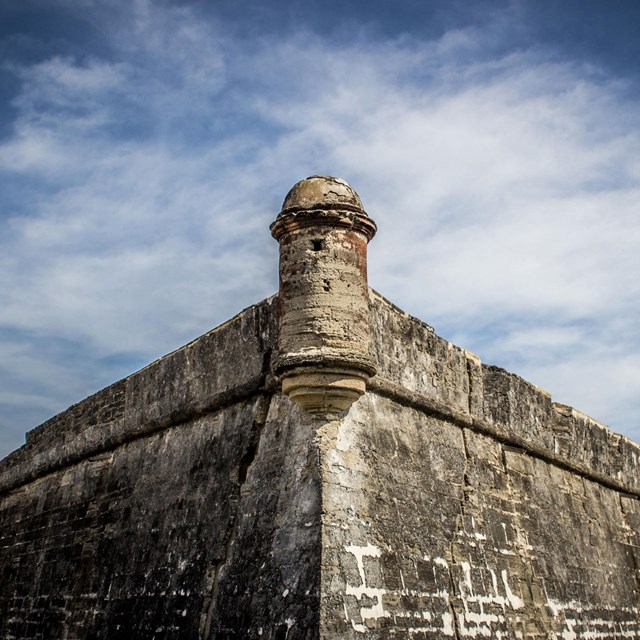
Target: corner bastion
[323,466]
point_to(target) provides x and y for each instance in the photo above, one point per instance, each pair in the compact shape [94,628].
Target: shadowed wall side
[187,509]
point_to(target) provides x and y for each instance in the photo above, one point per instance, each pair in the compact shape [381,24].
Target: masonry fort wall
[460,501]
[191,501]
[408,492]
[178,503]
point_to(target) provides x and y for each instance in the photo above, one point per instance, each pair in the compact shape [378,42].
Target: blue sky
[146,146]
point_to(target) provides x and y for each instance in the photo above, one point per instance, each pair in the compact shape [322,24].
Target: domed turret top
[322,202]
[322,192]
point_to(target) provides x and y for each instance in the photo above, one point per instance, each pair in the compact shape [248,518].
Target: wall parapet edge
[443,380]
[187,383]
[453,384]
[430,406]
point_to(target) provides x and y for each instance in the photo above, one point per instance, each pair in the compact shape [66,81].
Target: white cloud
[505,190]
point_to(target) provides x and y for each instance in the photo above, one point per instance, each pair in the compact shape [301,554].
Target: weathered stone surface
[229,363]
[412,356]
[269,586]
[392,490]
[452,383]
[148,542]
[89,426]
[453,500]
[517,407]
[323,347]
[193,500]
[432,531]
[152,508]
[321,191]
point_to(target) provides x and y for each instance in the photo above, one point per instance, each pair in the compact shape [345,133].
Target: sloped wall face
[180,503]
[193,532]
[459,501]
[191,500]
[269,586]
[433,531]
[120,545]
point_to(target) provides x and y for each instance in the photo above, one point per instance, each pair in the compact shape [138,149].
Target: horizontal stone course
[225,365]
[419,368]
[453,382]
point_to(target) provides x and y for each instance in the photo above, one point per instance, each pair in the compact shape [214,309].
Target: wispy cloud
[141,183]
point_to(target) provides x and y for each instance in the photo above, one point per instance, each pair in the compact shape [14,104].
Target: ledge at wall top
[195,379]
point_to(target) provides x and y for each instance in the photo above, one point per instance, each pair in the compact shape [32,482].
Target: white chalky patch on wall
[376,610]
[422,620]
[580,623]
[487,608]
[514,601]
[346,436]
[483,611]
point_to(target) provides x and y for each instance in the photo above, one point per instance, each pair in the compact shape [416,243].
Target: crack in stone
[459,526]
[454,616]
[213,576]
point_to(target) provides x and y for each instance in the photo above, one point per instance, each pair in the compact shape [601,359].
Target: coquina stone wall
[459,501]
[193,500]
[182,502]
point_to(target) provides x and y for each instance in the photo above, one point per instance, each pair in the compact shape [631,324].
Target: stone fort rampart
[403,489]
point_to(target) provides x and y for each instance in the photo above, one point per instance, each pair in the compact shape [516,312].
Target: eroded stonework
[434,531]
[323,357]
[194,500]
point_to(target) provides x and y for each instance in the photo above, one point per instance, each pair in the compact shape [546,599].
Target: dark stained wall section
[181,502]
[269,585]
[228,364]
[118,546]
[192,500]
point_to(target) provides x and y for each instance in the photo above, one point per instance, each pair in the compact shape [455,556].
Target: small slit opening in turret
[316,245]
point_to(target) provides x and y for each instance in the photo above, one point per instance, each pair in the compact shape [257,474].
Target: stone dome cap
[322,192]
[322,202]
